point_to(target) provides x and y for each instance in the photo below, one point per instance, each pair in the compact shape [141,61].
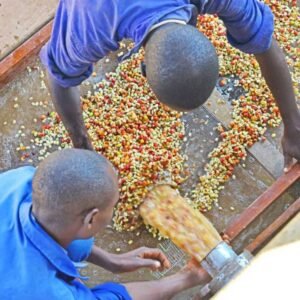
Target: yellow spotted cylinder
[167,211]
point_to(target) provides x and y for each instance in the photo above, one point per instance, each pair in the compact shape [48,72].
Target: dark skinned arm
[168,287]
[276,73]
[192,275]
[67,103]
[131,261]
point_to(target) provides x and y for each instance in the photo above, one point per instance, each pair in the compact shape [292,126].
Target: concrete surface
[20,19]
[268,153]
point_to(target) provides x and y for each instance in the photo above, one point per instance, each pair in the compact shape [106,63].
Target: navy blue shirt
[33,265]
[86,30]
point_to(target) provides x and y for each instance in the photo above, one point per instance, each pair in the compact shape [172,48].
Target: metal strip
[261,203]
[270,231]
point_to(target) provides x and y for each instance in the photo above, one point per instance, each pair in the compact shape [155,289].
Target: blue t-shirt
[33,265]
[85,31]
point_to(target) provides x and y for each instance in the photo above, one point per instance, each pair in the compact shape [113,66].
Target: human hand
[140,258]
[291,147]
[82,141]
[196,273]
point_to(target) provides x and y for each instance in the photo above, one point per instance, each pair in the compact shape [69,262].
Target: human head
[181,66]
[75,189]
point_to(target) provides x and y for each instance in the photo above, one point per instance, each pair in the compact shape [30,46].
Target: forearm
[101,258]
[276,73]
[67,103]
[165,288]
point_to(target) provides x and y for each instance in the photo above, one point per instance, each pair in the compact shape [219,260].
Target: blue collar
[143,26]
[47,246]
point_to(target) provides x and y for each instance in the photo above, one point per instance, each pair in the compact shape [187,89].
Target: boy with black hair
[49,217]
[181,64]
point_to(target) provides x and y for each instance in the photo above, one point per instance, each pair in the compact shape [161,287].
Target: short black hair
[70,182]
[181,66]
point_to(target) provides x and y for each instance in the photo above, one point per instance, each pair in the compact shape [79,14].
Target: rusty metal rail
[261,204]
[272,229]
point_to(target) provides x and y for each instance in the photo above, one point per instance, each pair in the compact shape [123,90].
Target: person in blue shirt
[49,217]
[181,64]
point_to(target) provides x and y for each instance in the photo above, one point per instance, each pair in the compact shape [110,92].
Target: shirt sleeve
[80,250]
[82,34]
[111,291]
[249,23]
[16,181]
[106,291]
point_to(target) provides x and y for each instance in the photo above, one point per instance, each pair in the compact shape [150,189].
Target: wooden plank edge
[16,61]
